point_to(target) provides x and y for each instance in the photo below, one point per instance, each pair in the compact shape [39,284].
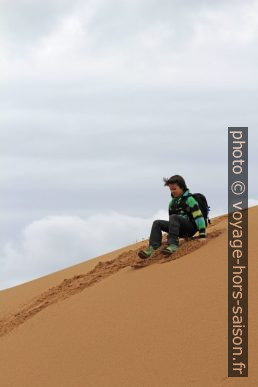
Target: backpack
[203,204]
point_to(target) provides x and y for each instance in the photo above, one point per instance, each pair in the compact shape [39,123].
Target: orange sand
[110,322]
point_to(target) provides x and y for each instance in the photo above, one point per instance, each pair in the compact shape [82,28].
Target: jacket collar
[186,193]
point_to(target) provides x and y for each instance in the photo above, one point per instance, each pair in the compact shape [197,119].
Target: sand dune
[118,321]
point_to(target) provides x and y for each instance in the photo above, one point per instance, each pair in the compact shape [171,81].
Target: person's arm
[197,216]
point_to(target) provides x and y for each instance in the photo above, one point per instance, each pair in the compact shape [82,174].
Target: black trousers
[176,227]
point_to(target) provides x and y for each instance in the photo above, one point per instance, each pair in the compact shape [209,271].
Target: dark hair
[176,179]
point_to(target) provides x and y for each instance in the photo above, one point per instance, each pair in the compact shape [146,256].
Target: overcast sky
[99,100]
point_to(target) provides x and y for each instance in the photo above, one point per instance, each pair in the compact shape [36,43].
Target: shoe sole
[142,255]
[165,252]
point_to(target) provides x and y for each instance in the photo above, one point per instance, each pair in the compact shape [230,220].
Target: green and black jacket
[186,206]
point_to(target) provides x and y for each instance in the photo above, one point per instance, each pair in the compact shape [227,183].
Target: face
[175,190]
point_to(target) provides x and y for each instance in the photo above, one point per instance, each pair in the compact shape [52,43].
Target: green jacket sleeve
[197,215]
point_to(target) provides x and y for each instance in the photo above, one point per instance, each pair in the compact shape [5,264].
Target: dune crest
[139,323]
[70,286]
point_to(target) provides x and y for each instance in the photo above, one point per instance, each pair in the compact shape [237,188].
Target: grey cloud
[23,22]
[54,242]
[95,126]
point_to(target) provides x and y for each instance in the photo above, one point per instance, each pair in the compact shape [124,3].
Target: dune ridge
[116,320]
[70,286]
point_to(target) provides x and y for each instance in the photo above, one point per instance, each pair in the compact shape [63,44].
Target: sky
[99,100]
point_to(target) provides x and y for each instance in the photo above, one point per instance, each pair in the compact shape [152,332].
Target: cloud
[134,43]
[26,21]
[252,202]
[56,242]
[100,99]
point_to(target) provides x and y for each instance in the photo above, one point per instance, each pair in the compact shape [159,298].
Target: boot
[146,253]
[170,249]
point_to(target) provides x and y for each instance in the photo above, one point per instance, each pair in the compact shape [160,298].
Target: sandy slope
[106,323]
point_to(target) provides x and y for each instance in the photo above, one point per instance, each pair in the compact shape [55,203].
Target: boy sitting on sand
[185,219]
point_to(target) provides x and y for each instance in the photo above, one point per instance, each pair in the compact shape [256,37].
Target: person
[185,219]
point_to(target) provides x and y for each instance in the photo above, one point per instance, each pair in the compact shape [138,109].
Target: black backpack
[203,204]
